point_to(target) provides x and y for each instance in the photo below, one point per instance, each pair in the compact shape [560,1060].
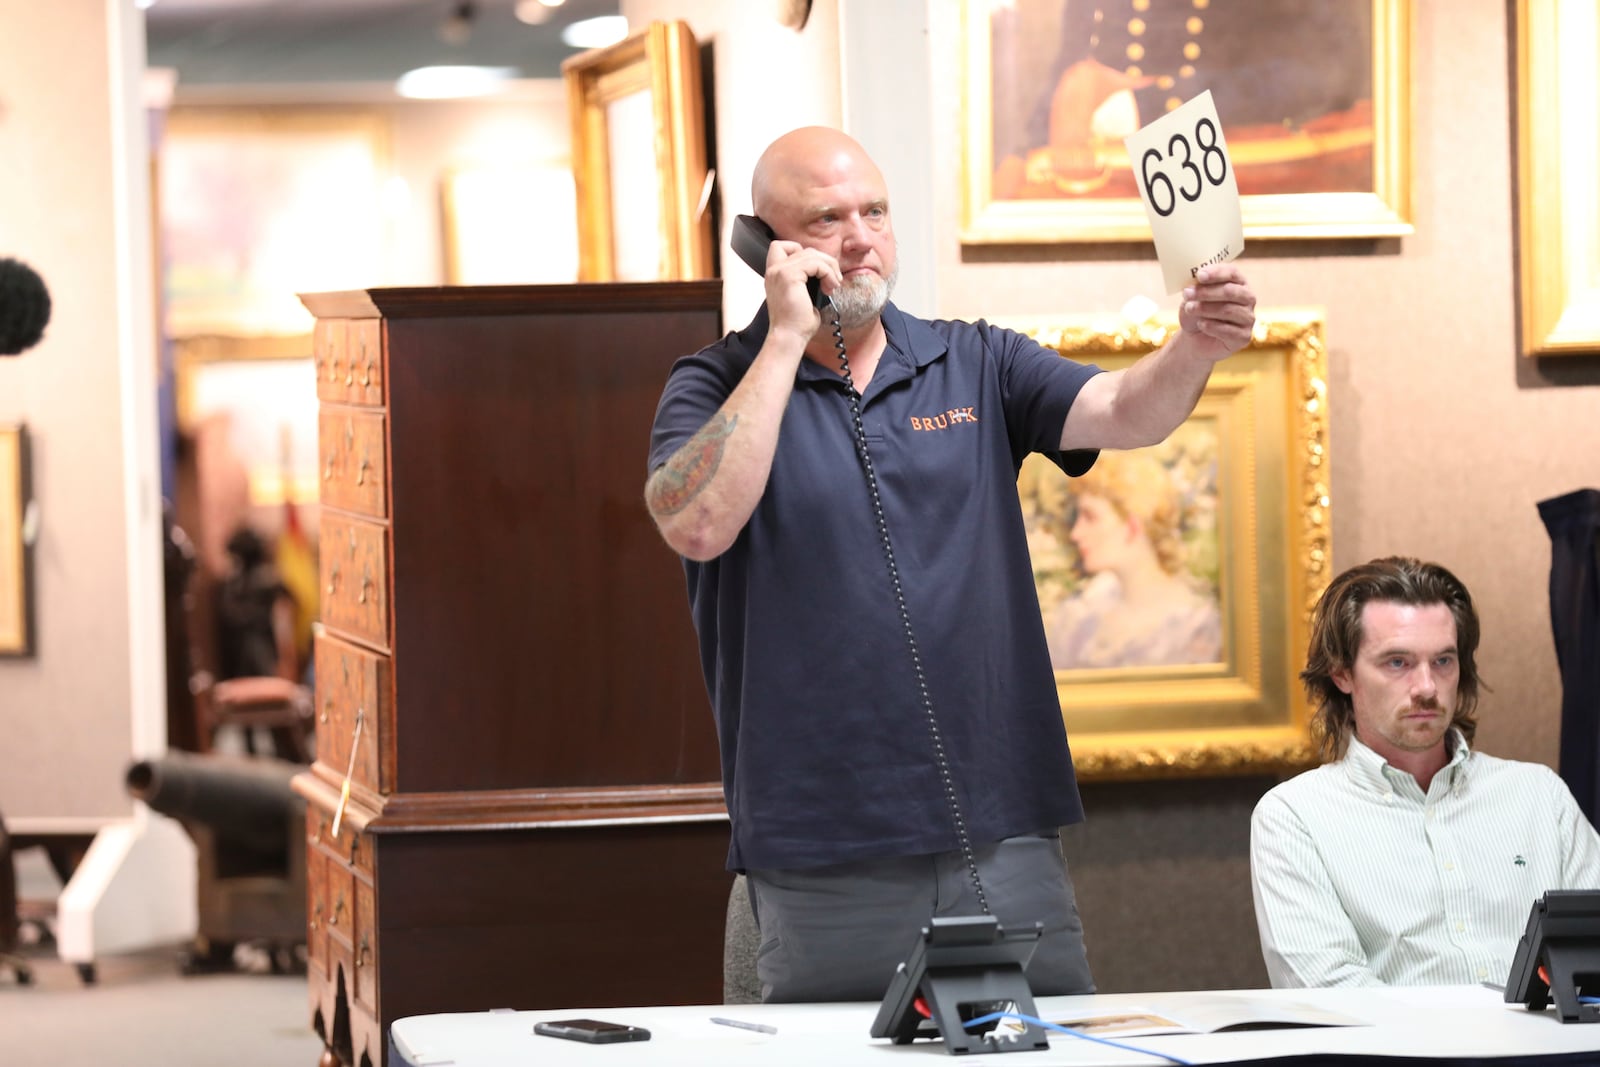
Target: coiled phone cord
[905,618]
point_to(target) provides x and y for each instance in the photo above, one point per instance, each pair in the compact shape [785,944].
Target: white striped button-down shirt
[1362,879]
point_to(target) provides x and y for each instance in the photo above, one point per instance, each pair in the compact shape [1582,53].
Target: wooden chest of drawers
[515,799]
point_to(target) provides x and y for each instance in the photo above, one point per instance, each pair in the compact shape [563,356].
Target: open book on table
[1205,1014]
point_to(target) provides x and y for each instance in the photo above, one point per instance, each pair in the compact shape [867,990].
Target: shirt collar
[1372,771]
[913,343]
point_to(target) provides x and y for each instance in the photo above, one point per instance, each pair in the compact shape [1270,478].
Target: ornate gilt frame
[662,61]
[1384,212]
[1558,155]
[16,545]
[1248,713]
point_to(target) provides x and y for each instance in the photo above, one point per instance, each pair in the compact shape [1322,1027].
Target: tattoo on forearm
[687,473]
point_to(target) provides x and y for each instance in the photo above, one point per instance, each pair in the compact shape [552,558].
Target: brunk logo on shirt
[1519,861]
[943,421]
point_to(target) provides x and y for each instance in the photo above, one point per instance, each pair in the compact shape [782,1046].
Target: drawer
[329,338]
[353,560]
[348,355]
[359,855]
[363,379]
[316,907]
[366,946]
[354,475]
[351,679]
[340,912]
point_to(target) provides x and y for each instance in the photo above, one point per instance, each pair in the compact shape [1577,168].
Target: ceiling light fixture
[596,32]
[452,83]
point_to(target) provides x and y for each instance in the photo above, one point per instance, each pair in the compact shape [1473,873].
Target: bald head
[803,164]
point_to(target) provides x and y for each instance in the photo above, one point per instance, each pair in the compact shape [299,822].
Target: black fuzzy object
[24,307]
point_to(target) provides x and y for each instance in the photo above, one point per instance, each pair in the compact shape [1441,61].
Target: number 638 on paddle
[1186,181]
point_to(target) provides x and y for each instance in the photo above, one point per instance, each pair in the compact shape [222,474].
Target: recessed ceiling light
[451,83]
[596,33]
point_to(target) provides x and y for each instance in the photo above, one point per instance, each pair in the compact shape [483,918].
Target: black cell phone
[593,1031]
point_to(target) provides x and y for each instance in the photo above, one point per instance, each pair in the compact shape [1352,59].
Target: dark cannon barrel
[245,799]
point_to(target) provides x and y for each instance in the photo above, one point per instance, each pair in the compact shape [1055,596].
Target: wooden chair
[282,706]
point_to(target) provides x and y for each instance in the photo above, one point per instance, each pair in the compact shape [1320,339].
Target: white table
[1462,1022]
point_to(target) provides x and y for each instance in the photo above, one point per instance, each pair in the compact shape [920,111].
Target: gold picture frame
[1261,428]
[256,383]
[639,158]
[1558,155]
[1040,168]
[16,544]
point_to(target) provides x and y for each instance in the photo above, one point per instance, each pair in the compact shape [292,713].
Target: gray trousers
[838,932]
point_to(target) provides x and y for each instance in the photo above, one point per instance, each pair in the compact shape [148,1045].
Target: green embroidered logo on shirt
[1520,862]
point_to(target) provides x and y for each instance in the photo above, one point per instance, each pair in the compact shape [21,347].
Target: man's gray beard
[861,299]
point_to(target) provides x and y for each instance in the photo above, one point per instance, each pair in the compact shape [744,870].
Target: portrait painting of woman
[1125,557]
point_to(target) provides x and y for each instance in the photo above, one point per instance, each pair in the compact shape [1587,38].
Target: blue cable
[1029,1019]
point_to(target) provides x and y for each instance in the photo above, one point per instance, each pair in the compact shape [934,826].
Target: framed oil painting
[257,205]
[1177,582]
[261,394]
[16,545]
[1313,96]
[1558,155]
[512,223]
[639,158]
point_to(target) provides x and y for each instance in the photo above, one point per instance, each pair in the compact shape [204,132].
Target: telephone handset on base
[751,237]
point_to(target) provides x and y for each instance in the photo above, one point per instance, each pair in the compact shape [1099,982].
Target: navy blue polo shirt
[826,751]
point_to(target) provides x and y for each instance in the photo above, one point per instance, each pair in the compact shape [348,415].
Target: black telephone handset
[751,237]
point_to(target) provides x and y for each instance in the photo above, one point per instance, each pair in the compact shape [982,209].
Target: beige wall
[72,715]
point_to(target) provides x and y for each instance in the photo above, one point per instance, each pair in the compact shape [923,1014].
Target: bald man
[842,487]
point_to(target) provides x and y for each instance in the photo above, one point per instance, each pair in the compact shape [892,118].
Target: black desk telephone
[964,967]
